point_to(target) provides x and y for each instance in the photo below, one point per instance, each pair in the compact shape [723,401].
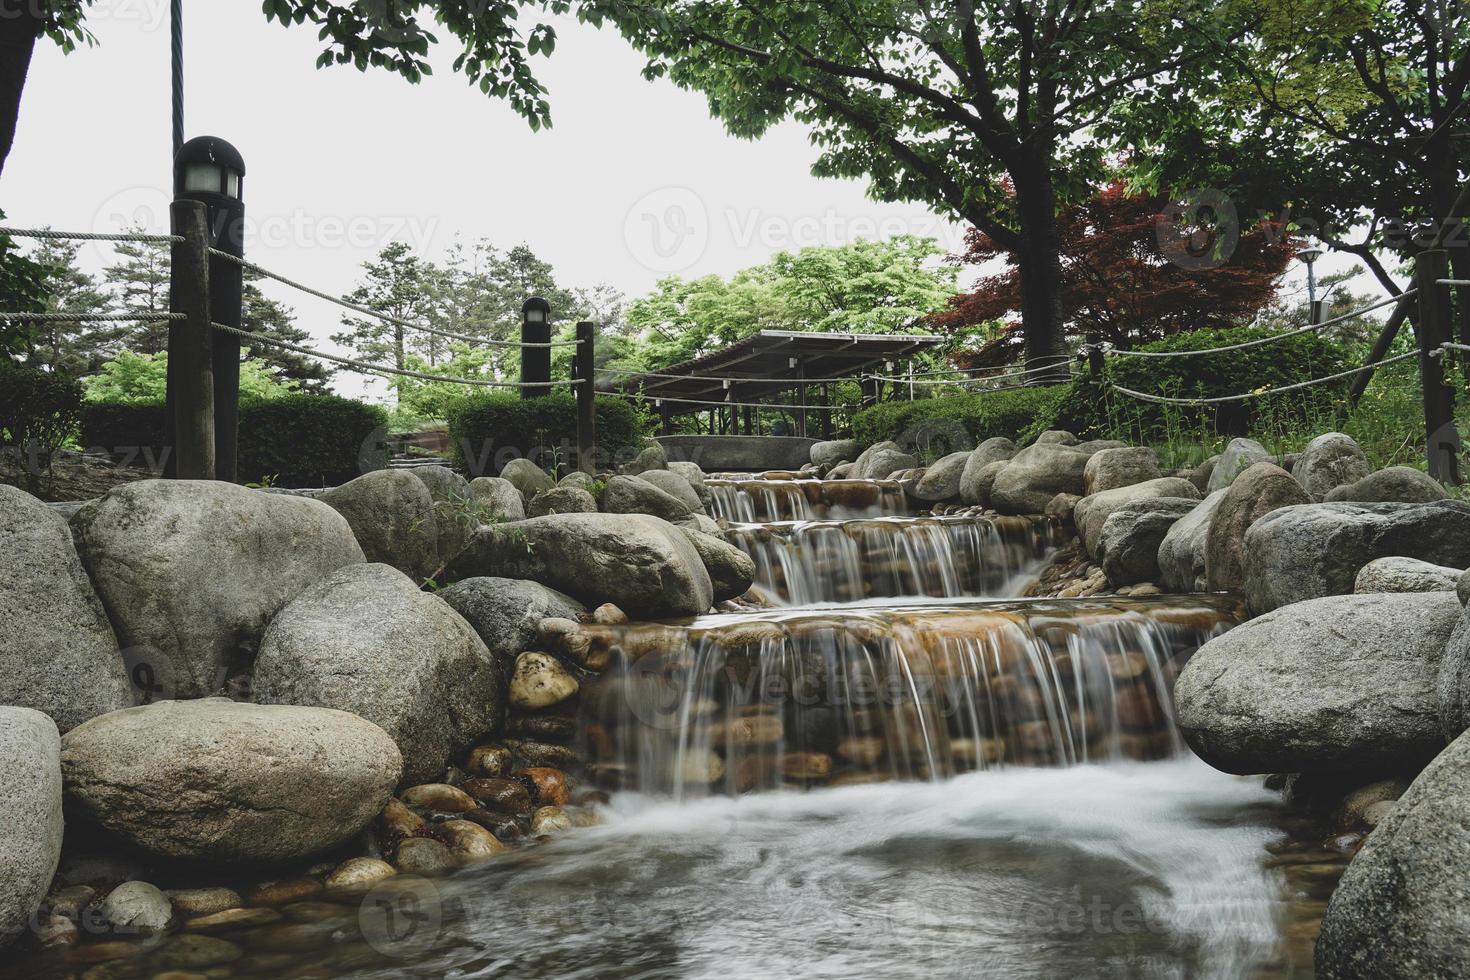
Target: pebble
[203,901]
[806,765]
[196,952]
[862,750]
[438,798]
[550,820]
[540,681]
[359,872]
[56,929]
[549,786]
[500,795]
[104,952]
[70,901]
[504,826]
[470,842]
[544,755]
[399,821]
[283,891]
[490,760]
[751,730]
[608,614]
[228,919]
[698,767]
[423,856]
[310,912]
[137,905]
[543,728]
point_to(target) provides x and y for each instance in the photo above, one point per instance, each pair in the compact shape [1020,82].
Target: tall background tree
[273,319]
[72,346]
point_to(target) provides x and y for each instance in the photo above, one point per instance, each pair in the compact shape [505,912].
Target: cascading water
[923,690]
[750,501]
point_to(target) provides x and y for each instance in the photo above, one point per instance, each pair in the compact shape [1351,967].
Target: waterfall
[752,501]
[918,690]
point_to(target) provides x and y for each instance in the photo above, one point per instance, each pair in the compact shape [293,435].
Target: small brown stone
[505,826]
[359,872]
[544,755]
[543,728]
[55,929]
[283,891]
[540,681]
[549,786]
[422,856]
[490,760]
[752,730]
[500,795]
[550,820]
[228,919]
[806,765]
[861,750]
[399,821]
[437,798]
[470,842]
[203,901]
[608,614]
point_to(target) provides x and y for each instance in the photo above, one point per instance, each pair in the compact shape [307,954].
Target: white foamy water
[1126,870]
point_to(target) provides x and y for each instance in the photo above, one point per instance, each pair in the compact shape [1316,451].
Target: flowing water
[752,500]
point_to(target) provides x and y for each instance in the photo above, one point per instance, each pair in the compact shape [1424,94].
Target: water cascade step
[754,500]
[806,562]
[921,689]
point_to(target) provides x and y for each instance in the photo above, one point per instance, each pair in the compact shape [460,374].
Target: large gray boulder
[834,451]
[191,572]
[881,461]
[219,780]
[1330,461]
[977,489]
[1452,686]
[942,480]
[526,477]
[30,815]
[634,495]
[507,612]
[57,651]
[562,500]
[1396,483]
[1405,575]
[1057,437]
[392,515]
[456,514]
[1399,911]
[1110,469]
[1312,550]
[1128,545]
[996,449]
[1031,478]
[1338,684]
[1092,511]
[1262,488]
[499,500]
[646,566]
[368,641]
[731,571]
[676,485]
[1181,555]
[1240,455]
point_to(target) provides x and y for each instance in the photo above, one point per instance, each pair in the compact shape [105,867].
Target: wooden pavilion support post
[801,395]
[826,414]
[191,345]
[1435,328]
[583,370]
[665,417]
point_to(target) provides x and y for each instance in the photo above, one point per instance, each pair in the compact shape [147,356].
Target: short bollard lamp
[535,360]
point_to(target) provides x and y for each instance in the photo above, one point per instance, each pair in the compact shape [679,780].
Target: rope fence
[87,236]
[777,406]
[1264,392]
[95,317]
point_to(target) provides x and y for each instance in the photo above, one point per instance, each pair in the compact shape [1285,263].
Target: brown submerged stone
[806,766]
[228,919]
[437,798]
[548,786]
[399,821]
[509,796]
[543,728]
[490,760]
[283,891]
[544,755]
[469,842]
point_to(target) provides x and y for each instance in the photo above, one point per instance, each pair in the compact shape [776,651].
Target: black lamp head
[209,169]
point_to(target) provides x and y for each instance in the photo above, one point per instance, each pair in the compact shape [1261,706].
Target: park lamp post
[1310,255]
[536,361]
[211,171]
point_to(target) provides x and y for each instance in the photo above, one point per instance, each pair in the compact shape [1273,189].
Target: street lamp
[536,361]
[1310,255]
[209,170]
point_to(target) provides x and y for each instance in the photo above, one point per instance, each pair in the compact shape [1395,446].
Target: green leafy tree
[21,26]
[399,284]
[140,284]
[142,379]
[22,290]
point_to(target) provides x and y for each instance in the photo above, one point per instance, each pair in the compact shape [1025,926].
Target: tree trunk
[19,29]
[1040,267]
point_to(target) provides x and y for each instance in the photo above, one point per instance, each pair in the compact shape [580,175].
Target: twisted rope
[95,317]
[366,368]
[1162,400]
[87,236]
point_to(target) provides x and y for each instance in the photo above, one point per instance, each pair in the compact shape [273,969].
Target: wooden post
[1439,399]
[1095,358]
[665,419]
[583,370]
[801,393]
[191,345]
[1380,350]
[825,416]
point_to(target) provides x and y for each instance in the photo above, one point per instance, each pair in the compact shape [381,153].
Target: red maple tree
[1132,271]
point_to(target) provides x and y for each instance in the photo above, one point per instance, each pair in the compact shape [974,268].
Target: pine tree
[140,284]
[74,347]
[272,318]
[399,284]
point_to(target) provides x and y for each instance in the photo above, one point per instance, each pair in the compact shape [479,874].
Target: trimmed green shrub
[489,430]
[936,426]
[38,409]
[137,433]
[309,440]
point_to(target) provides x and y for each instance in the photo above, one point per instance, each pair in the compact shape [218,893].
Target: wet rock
[562,500]
[195,952]
[1181,557]
[1091,512]
[217,780]
[392,516]
[540,681]
[1262,488]
[731,571]
[490,761]
[675,486]
[1399,910]
[806,766]
[1063,505]
[1314,550]
[398,821]
[998,449]
[229,920]
[1112,469]
[608,614]
[834,451]
[1131,536]
[368,641]
[191,572]
[507,613]
[1331,460]
[645,565]
[632,495]
[548,786]
[1030,479]
[359,872]
[697,767]
[550,820]
[526,477]
[862,750]
[1402,484]
[1240,455]
[437,798]
[942,480]
[747,731]
[70,900]
[498,500]
[136,906]
[469,842]
[30,815]
[544,754]
[880,461]
[425,856]
[1338,684]
[204,901]
[1355,805]
[57,651]
[1405,575]
[543,728]
[500,795]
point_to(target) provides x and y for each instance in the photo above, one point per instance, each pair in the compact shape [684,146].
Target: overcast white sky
[635,180]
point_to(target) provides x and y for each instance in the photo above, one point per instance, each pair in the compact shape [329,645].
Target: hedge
[38,409]
[489,430]
[295,441]
[937,426]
